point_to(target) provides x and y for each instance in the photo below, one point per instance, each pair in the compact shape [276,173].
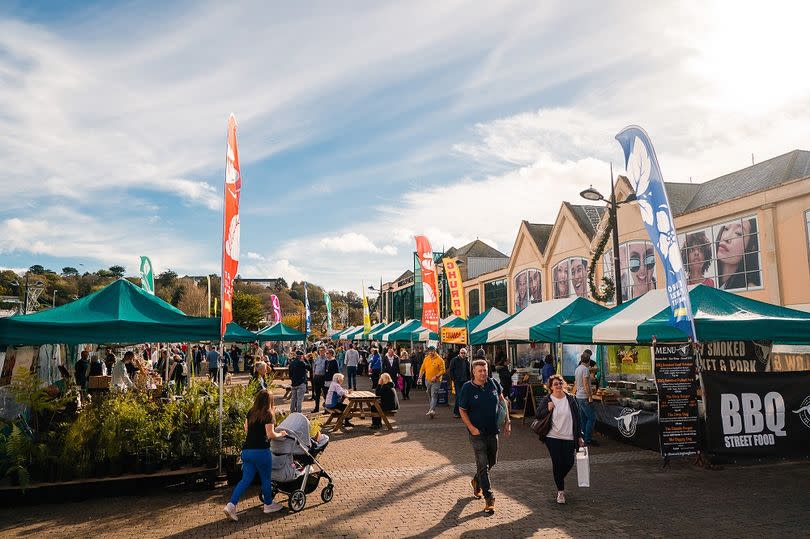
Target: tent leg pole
[219,376]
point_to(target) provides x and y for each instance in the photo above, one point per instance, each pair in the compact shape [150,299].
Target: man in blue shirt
[213,361]
[375,368]
[479,404]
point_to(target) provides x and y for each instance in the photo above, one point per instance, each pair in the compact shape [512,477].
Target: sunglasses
[635,263]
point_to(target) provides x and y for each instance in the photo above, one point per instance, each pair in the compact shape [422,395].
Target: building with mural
[747,232]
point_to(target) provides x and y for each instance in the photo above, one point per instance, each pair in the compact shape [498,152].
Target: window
[570,277]
[637,261]
[725,255]
[528,288]
[495,295]
[474,304]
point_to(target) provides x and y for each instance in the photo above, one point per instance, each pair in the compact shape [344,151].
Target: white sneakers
[431,414]
[561,497]
[272,508]
[230,511]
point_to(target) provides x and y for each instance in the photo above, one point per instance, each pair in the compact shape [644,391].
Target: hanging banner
[230,231]
[366,314]
[430,295]
[328,301]
[276,309]
[147,275]
[453,274]
[645,177]
[454,335]
[675,379]
[306,308]
[757,413]
[735,356]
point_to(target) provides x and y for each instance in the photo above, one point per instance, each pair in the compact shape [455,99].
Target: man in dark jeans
[459,373]
[479,405]
[318,377]
[82,367]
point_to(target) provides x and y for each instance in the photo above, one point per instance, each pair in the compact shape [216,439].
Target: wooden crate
[99,382]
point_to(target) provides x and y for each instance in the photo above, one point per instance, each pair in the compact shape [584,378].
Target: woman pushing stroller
[256,455]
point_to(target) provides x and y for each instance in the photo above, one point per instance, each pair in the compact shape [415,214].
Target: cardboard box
[99,382]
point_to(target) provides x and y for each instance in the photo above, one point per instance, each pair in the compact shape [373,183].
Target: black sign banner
[735,356]
[758,413]
[675,378]
[636,427]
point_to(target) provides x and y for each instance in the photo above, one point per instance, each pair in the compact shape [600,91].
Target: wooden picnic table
[280,373]
[360,404]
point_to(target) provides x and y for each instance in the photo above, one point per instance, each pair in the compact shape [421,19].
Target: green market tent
[360,336]
[538,322]
[235,333]
[384,328]
[402,332]
[340,334]
[719,316]
[119,313]
[279,332]
[479,322]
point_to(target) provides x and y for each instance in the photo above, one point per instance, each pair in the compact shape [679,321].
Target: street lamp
[593,195]
[379,299]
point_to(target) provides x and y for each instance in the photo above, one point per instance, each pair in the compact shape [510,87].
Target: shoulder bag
[541,426]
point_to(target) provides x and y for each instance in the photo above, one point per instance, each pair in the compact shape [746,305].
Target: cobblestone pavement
[413,482]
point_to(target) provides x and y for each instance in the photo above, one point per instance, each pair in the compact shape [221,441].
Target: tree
[248,311]
[68,271]
[167,278]
[194,300]
[36,269]
[117,271]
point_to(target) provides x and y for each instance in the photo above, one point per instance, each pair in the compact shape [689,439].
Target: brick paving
[413,482]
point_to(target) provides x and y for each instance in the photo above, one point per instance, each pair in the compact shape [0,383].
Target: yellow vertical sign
[453,274]
[366,315]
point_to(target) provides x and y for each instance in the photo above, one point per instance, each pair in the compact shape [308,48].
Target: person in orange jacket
[433,369]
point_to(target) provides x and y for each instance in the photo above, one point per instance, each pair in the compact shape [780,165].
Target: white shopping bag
[583,468]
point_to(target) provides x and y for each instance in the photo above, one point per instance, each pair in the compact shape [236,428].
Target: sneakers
[431,414]
[230,511]
[457,416]
[272,508]
[476,489]
[561,497]
[490,506]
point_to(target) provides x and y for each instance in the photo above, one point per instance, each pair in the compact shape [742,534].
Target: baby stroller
[294,460]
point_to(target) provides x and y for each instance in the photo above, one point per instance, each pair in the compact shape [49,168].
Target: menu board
[674,367]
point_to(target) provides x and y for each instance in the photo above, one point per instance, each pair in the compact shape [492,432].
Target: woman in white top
[565,432]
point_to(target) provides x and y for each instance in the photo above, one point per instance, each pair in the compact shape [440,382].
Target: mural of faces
[725,255]
[571,278]
[528,288]
[637,260]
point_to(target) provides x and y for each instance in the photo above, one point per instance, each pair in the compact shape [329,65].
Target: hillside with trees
[252,302]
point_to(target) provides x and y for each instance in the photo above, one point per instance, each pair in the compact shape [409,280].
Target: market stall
[735,337]
[279,332]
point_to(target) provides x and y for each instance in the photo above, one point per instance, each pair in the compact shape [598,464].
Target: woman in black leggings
[565,432]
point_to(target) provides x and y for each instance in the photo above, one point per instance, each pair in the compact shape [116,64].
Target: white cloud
[255,256]
[273,268]
[352,242]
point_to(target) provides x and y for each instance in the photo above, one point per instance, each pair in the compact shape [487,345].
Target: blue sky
[363,123]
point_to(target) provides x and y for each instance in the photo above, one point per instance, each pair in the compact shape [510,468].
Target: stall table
[280,373]
[356,401]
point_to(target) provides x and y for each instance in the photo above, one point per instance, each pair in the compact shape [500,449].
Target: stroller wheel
[297,500]
[327,493]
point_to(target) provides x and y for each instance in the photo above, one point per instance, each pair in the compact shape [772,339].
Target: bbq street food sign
[758,413]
